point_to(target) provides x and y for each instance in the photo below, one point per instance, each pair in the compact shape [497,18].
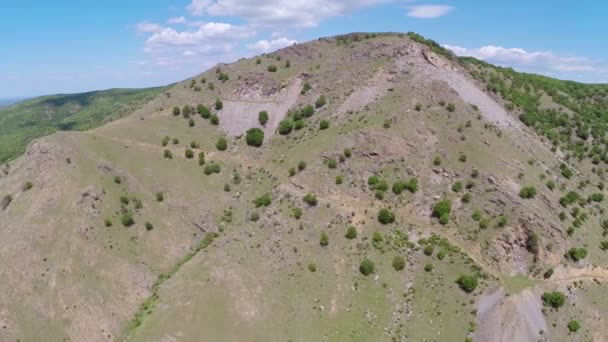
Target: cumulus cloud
[428,11]
[294,13]
[177,20]
[266,46]
[209,34]
[146,27]
[543,61]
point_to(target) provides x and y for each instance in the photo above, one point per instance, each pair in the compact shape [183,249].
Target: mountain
[400,193]
[37,117]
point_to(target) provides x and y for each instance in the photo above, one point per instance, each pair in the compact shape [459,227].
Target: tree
[255,137]
[310,199]
[215,120]
[203,111]
[351,233]
[386,216]
[219,104]
[527,192]
[285,126]
[189,153]
[554,299]
[263,117]
[468,283]
[320,101]
[576,254]
[222,144]
[324,124]
[442,210]
[324,240]
[367,267]
[398,263]
[264,200]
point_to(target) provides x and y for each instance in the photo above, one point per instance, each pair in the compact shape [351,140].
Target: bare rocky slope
[399,195]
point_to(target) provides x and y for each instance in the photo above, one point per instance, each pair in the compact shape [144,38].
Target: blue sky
[72,46]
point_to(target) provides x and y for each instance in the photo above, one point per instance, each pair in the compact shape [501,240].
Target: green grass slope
[22,122]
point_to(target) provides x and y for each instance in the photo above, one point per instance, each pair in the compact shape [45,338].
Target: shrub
[324,124]
[428,267]
[160,196]
[312,267]
[201,158]
[215,120]
[456,187]
[165,141]
[398,263]
[484,223]
[551,184]
[597,197]
[194,144]
[305,88]
[297,213]
[298,124]
[320,101]
[186,111]
[468,283]
[212,168]
[149,226]
[310,199]
[124,200]
[272,68]
[566,172]
[386,216]
[367,267]
[527,192]
[127,220]
[332,163]
[6,200]
[107,222]
[569,198]
[348,152]
[301,165]
[451,107]
[285,126]
[339,179]
[307,111]
[502,221]
[287,64]
[574,326]
[576,254]
[263,200]
[222,144]
[219,104]
[532,242]
[418,107]
[263,117]
[191,123]
[437,161]
[203,111]
[292,172]
[223,77]
[175,141]
[167,154]
[176,111]
[462,157]
[554,299]
[476,215]
[254,137]
[189,153]
[351,233]
[254,217]
[324,240]
[258,61]
[466,198]
[442,210]
[604,245]
[428,250]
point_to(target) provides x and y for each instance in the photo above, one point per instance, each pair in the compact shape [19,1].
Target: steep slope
[259,246]
[26,120]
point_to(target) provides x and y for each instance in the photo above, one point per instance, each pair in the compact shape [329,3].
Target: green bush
[127,220]
[576,254]
[554,299]
[222,144]
[194,144]
[312,267]
[191,123]
[6,200]
[149,226]
[189,153]
[203,111]
[305,88]
[107,222]
[272,68]
[310,199]
[117,179]
[263,117]
[442,210]
[219,104]
[351,233]
[212,168]
[466,198]
[428,267]
[451,107]
[160,196]
[331,163]
[175,141]
[167,154]
[298,124]
[186,111]
[574,326]
[324,240]
[348,152]
[285,126]
[339,179]
[398,263]
[428,250]
[214,120]
[468,283]
[301,165]
[165,141]
[597,197]
[551,184]
[324,124]
[527,192]
[176,111]
[320,101]
[386,216]
[263,200]
[254,217]
[367,267]
[437,161]
[307,111]
[570,198]
[297,213]
[124,200]
[201,158]
[292,172]
[254,137]
[457,186]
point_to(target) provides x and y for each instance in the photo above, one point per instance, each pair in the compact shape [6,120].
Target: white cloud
[541,61]
[177,20]
[146,27]
[208,34]
[275,44]
[428,11]
[294,13]
[189,53]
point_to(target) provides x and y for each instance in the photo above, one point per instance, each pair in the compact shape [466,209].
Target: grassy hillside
[30,119]
[402,202]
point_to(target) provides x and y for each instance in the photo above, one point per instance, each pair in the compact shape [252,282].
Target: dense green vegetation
[31,119]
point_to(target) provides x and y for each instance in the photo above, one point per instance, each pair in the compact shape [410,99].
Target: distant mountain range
[10,100]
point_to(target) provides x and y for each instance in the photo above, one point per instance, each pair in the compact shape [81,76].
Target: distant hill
[10,100]
[23,121]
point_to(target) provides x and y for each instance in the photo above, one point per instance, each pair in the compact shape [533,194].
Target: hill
[24,121]
[399,193]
